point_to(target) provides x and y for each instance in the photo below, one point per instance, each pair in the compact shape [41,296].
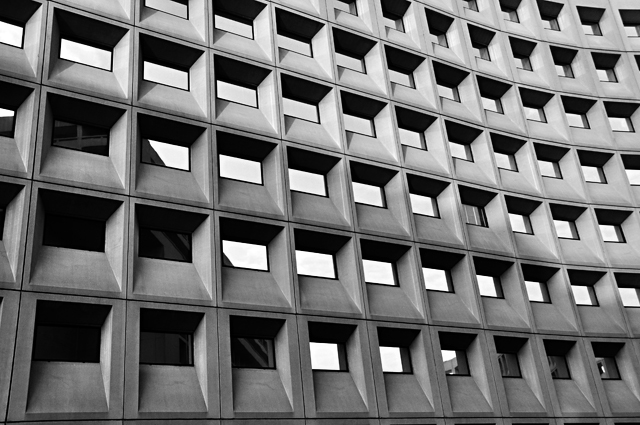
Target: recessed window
[380,272]
[360,125]
[633,176]
[564,71]
[447,92]
[11,34]
[584,295]
[97,57]
[489,286]
[509,365]
[368,194]
[630,297]
[492,104]
[415,139]
[244,255]
[506,161]
[593,174]
[235,168]
[460,151]
[475,215]
[315,264]
[304,181]
[401,77]
[632,31]
[523,62]
[302,110]
[328,356]
[558,367]
[351,62]
[440,39]
[608,368]
[509,14]
[164,245]
[165,154]
[165,75]
[395,359]
[392,20]
[471,5]
[612,233]
[74,233]
[577,120]
[7,122]
[591,28]
[535,114]
[566,229]
[607,75]
[537,291]
[520,223]
[253,353]
[81,137]
[236,93]
[437,280]
[455,362]
[621,124]
[179,8]
[424,205]
[550,23]
[481,51]
[349,7]
[233,24]
[295,44]
[549,169]
[171,346]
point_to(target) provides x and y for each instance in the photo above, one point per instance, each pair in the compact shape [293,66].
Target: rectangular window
[412,138]
[7,122]
[179,8]
[392,21]
[621,124]
[253,353]
[509,365]
[493,105]
[630,297]
[566,229]
[524,63]
[550,23]
[437,280]
[66,343]
[380,272]
[368,194]
[359,125]
[535,114]
[3,211]
[558,366]
[439,39]
[165,154]
[295,45]
[238,94]
[424,205]
[395,359]
[475,215]
[481,51]
[351,62]
[593,174]
[315,264]
[489,286]
[164,245]
[233,24]
[584,295]
[166,348]
[577,120]
[632,30]
[607,75]
[447,92]
[611,233]
[506,161]
[564,71]
[81,137]
[455,362]
[537,291]
[402,78]
[304,181]
[245,170]
[302,110]
[97,57]
[165,75]
[74,233]
[549,169]
[608,368]
[328,356]
[243,255]
[633,176]
[471,5]
[11,34]
[591,29]
[520,223]
[345,6]
[461,151]
[509,14]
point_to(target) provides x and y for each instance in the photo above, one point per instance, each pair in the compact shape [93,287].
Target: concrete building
[320,212]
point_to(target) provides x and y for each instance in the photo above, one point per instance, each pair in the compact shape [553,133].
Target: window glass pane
[506,162]
[327,356]
[368,194]
[633,176]
[493,105]
[378,272]
[536,291]
[11,34]
[395,359]
[165,154]
[565,229]
[591,29]
[424,205]
[303,181]
[577,120]
[164,75]
[455,362]
[535,114]
[233,26]
[607,367]
[237,94]
[343,6]
[74,233]
[84,138]
[611,233]
[392,22]
[235,168]
[349,62]
[593,174]
[359,125]
[58,343]
[404,79]
[509,365]
[254,353]
[475,215]
[564,71]
[315,264]
[164,245]
[171,7]
[159,348]
[629,297]
[448,92]
[621,124]
[244,255]
[296,46]
[523,63]
[632,30]
[488,286]
[520,223]
[436,280]
[583,295]
[549,169]
[302,110]
[461,151]
[88,55]
[7,122]
[559,368]
[607,75]
[412,138]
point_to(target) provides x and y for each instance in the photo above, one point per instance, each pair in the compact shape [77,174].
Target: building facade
[320,211]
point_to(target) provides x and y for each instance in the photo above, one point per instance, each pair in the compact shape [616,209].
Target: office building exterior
[320,212]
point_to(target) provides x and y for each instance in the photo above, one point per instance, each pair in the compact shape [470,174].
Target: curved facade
[320,211]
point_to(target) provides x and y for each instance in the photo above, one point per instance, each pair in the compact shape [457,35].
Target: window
[307,182]
[81,137]
[165,75]
[535,114]
[167,337]
[7,122]
[632,31]
[607,75]
[630,296]
[234,168]
[398,76]
[244,95]
[245,255]
[455,362]
[437,280]
[179,8]
[593,174]
[492,104]
[74,233]
[302,110]
[439,38]
[550,23]
[346,6]
[447,92]
[520,223]
[415,139]
[591,28]
[359,125]
[481,51]
[621,124]
[509,365]
[489,286]
[523,62]
[558,367]
[380,272]
[315,264]
[608,368]
[236,17]
[549,169]
[328,356]
[351,62]
[424,205]
[566,229]
[11,34]
[475,215]
[509,14]
[471,5]
[392,20]
[506,161]
[537,291]
[253,353]
[164,244]
[461,151]
[633,175]
[98,57]
[295,44]
[395,359]
[165,154]
[368,194]
[564,71]
[577,120]
[584,295]
[612,233]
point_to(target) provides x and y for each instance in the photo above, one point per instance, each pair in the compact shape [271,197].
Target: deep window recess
[7,122]
[491,92]
[610,224]
[423,195]
[507,349]
[74,233]
[564,218]
[254,341]
[590,19]
[474,202]
[81,137]
[395,351]
[437,269]
[549,13]
[563,58]
[301,98]
[91,55]
[167,337]
[533,103]
[68,332]
[351,50]
[179,8]
[480,41]
[605,356]
[236,16]
[583,286]
[509,10]
[167,63]
[359,114]
[453,349]
[475,215]
[402,66]
[245,244]
[327,344]
[316,253]
[393,12]
[241,158]
[14,19]
[308,171]
[439,25]
[368,183]
[519,210]
[619,115]
[295,33]
[629,288]
[631,22]
[348,6]
[557,351]
[548,158]
[379,261]
[238,82]
[471,5]
[489,274]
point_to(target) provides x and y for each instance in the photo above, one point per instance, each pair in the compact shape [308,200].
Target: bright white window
[238,94]
[535,291]
[493,105]
[368,194]
[621,124]
[450,93]
[535,114]
[304,181]
[549,169]
[404,79]
[391,359]
[629,297]
[584,295]
[296,46]
[7,122]
[85,54]
[315,264]
[611,233]
[506,161]
[347,7]
[632,30]
[461,151]
[11,34]
[436,280]
[235,27]
[565,229]
[169,6]
[564,71]
[379,272]
[170,155]
[577,120]
[235,168]
[591,29]
[424,205]
[164,75]
[593,174]
[520,223]
[359,125]
[633,176]
[325,356]
[245,255]
[412,138]
[350,62]
[488,286]
[607,75]
[302,110]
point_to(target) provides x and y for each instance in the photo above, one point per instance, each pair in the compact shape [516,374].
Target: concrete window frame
[421,93]
[586,250]
[540,243]
[194,29]
[9,301]
[507,117]
[26,62]
[15,195]
[409,14]
[554,126]
[467,106]
[628,111]
[526,179]
[570,183]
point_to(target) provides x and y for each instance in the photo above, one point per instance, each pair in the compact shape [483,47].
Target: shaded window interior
[489,273]
[351,50]
[610,224]
[605,354]
[583,284]
[395,353]
[316,253]
[179,8]
[241,158]
[453,347]
[295,33]
[620,114]
[412,126]
[359,113]
[347,6]
[254,341]
[471,5]
[423,195]
[491,92]
[509,9]
[437,269]
[300,98]
[328,345]
[576,110]
[474,202]
[557,352]
[379,261]
[393,12]
[461,137]
[507,349]
[592,164]
[13,96]
[590,19]
[505,149]
[564,218]
[439,25]
[631,21]
[236,16]
[167,337]
[536,279]
[549,13]
[237,81]
[549,157]
[308,171]
[13,20]
[245,244]
[522,51]
[605,64]
[480,41]
[167,63]
[629,288]
[519,210]
[562,59]
[533,102]
[369,184]
[401,66]
[448,79]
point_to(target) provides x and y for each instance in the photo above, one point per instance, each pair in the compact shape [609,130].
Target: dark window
[7,122]
[2,217]
[509,365]
[74,233]
[81,137]
[559,368]
[166,348]
[255,353]
[164,245]
[608,368]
